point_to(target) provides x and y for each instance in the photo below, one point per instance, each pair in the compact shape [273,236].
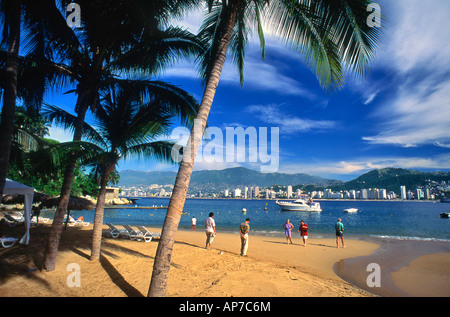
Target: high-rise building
[289,191]
[403,192]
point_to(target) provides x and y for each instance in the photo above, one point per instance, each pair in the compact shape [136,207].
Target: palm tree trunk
[58,220]
[98,218]
[10,90]
[163,256]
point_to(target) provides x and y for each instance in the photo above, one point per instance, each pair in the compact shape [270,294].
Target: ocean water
[409,220]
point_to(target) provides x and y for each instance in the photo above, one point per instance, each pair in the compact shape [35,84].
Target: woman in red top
[303,229]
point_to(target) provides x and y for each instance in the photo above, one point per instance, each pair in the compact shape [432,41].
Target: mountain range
[238,176]
[388,178]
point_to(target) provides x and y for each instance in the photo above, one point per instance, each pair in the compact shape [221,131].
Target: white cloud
[358,166]
[416,52]
[416,35]
[419,115]
[273,114]
[371,97]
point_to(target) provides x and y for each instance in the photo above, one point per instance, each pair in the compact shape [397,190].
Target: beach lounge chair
[8,242]
[114,232]
[145,234]
[18,216]
[132,232]
[41,219]
[13,220]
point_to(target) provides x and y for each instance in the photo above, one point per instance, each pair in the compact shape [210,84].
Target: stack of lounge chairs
[139,234]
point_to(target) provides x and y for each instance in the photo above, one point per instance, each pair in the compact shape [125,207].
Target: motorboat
[445,215]
[299,205]
[351,210]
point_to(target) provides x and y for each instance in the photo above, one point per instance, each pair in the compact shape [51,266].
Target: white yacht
[298,205]
[350,210]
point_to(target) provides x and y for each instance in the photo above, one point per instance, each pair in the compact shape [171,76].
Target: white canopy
[15,188]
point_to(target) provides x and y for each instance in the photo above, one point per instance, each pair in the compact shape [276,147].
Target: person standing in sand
[194,223]
[339,227]
[243,230]
[210,227]
[303,229]
[288,230]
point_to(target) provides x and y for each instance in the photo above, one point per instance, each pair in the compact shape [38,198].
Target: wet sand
[409,268]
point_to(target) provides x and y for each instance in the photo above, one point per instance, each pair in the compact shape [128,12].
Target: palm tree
[93,57]
[332,36]
[129,120]
[24,24]
[11,32]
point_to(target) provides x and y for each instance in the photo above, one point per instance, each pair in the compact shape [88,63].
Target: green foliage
[50,184]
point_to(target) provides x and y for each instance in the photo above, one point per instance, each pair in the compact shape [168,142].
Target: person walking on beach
[210,227]
[339,227]
[287,230]
[243,230]
[303,229]
[194,223]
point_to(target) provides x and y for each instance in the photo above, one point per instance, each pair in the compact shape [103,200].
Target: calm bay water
[386,219]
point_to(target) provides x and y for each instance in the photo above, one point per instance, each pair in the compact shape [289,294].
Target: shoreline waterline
[395,256]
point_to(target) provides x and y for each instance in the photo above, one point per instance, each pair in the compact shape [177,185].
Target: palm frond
[154,52]
[68,121]
[330,35]
[160,150]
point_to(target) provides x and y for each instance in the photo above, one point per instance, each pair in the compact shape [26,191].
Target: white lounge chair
[8,242]
[145,234]
[41,219]
[18,216]
[114,232]
[12,221]
[134,234]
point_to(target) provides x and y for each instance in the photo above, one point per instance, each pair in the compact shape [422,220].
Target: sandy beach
[272,268]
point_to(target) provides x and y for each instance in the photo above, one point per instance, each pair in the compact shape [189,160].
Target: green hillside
[238,176]
[392,178]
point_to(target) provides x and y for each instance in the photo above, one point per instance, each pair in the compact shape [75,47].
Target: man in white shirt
[194,223]
[210,227]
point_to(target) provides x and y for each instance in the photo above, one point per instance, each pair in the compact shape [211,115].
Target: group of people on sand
[210,227]
[244,228]
[303,229]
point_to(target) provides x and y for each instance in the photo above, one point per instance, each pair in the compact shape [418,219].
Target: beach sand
[272,268]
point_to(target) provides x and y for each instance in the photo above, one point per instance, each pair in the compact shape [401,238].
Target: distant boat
[445,200]
[350,210]
[445,215]
[298,205]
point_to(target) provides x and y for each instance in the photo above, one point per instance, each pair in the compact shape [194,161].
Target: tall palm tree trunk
[10,91]
[58,220]
[163,256]
[98,218]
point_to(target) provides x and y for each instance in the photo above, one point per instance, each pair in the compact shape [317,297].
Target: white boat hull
[350,210]
[293,206]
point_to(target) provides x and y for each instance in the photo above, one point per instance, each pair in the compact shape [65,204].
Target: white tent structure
[15,188]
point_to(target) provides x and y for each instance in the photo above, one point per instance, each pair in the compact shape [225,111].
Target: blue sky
[399,116]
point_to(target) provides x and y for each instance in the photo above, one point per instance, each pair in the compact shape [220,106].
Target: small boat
[350,210]
[445,215]
[298,205]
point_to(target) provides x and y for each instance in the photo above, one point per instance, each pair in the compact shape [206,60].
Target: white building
[403,192]
[289,191]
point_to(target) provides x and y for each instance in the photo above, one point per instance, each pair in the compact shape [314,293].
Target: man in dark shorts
[339,227]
